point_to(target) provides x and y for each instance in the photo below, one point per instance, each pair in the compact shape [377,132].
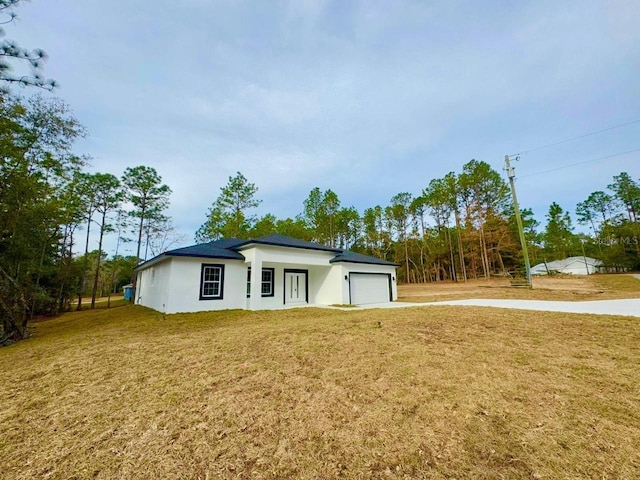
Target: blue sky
[367,98]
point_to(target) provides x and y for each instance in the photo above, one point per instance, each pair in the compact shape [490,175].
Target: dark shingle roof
[278,240]
[353,257]
[227,248]
[217,249]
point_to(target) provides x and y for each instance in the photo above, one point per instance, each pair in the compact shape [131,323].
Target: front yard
[439,392]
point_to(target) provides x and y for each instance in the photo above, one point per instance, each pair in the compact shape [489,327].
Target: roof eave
[165,256]
[160,258]
[199,255]
[249,243]
[341,260]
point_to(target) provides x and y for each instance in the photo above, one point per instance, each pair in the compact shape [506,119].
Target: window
[211,282]
[266,284]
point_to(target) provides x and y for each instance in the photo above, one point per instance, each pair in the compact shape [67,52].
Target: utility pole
[584,256]
[525,252]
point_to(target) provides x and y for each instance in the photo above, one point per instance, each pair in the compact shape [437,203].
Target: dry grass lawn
[567,288]
[440,392]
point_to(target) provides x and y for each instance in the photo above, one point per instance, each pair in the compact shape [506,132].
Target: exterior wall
[330,286]
[152,288]
[327,285]
[317,277]
[184,295]
[315,262]
[284,255]
[275,301]
[318,280]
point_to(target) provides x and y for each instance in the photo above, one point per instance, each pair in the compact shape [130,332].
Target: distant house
[269,272]
[571,266]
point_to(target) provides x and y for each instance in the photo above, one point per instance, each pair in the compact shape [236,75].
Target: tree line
[47,198]
[458,227]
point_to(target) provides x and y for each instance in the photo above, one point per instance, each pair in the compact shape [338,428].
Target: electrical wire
[580,163]
[574,138]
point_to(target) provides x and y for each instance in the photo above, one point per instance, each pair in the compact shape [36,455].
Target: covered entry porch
[283,280]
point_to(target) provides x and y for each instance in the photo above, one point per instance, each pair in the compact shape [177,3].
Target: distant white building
[570,266]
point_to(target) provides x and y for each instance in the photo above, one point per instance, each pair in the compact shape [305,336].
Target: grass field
[569,288]
[439,392]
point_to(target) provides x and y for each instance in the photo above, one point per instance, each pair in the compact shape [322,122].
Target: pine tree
[229,215]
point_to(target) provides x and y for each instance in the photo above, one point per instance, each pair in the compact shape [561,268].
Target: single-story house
[269,272]
[571,266]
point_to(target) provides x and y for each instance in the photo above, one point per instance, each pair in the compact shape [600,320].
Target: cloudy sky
[367,98]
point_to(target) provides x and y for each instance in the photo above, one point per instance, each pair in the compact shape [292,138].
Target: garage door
[369,288]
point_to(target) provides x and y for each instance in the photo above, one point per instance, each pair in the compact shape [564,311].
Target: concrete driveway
[629,307]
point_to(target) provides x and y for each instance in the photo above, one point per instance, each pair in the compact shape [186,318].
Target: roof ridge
[280,240]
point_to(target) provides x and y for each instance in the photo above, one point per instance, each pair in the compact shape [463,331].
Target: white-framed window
[211,282]
[266,282]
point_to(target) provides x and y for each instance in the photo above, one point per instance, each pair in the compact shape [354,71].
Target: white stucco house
[269,272]
[568,266]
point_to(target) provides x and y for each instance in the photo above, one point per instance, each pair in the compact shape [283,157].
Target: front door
[295,288]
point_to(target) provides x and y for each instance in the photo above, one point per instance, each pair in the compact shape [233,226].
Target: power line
[581,163]
[574,138]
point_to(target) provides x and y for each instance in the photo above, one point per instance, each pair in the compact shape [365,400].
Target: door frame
[372,273]
[306,283]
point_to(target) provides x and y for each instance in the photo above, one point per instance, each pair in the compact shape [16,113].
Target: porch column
[255,299]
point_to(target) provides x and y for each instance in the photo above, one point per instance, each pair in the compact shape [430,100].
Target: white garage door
[369,288]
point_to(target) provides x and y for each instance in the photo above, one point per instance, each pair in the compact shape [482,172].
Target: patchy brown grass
[567,288]
[438,392]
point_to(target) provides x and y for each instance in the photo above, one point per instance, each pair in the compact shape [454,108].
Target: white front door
[295,288]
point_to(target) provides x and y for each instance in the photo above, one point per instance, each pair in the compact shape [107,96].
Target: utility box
[128,292]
